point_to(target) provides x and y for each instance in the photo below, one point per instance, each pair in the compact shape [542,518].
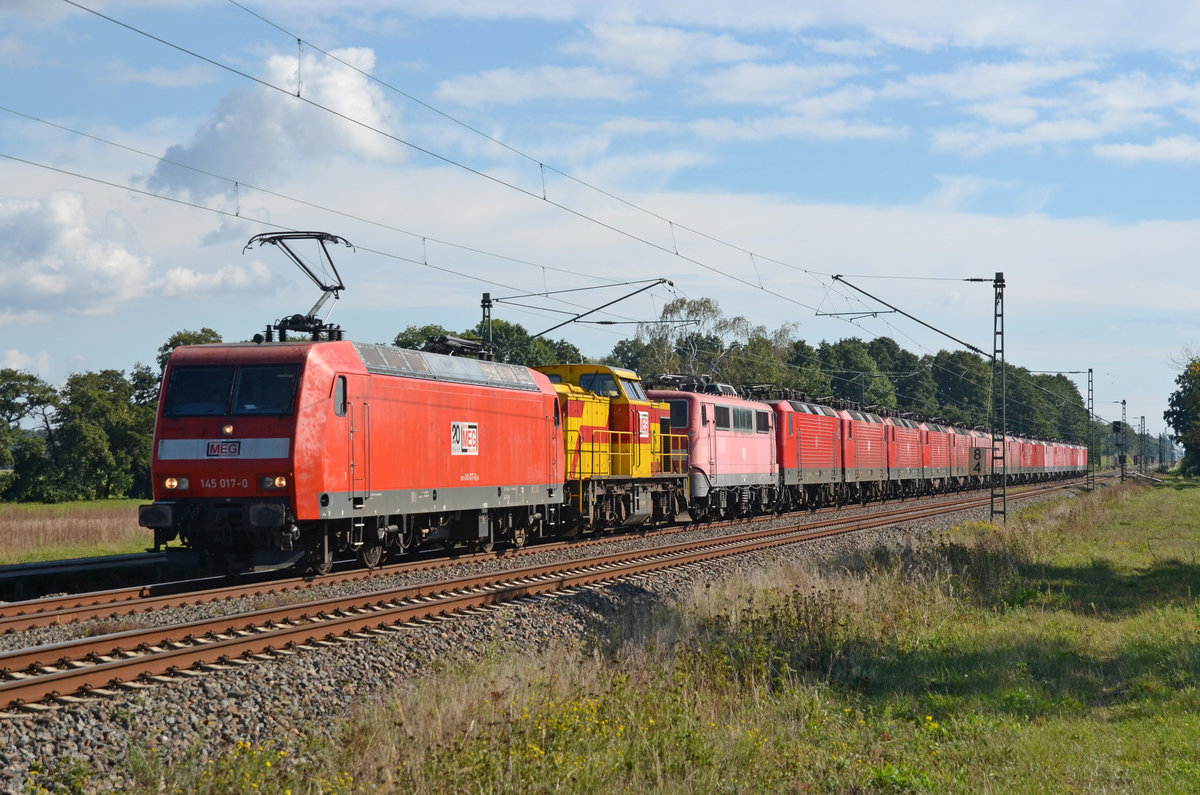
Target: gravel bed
[314,690]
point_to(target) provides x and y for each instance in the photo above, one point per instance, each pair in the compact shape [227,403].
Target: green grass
[1059,653]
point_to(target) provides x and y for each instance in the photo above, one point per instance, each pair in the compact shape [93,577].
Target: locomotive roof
[390,360]
[811,408]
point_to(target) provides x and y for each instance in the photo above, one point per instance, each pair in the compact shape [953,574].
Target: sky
[748,152]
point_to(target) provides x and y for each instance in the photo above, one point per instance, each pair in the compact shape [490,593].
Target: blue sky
[745,151]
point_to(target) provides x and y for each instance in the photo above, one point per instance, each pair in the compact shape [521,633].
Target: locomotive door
[358,442]
[708,417]
[555,426]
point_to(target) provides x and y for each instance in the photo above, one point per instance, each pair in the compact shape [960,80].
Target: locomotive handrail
[674,451]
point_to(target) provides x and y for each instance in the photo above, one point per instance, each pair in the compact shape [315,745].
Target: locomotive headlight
[227,430]
[276,482]
[173,484]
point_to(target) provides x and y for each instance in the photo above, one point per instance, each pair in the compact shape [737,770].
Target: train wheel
[370,555]
[518,537]
[318,564]
[320,557]
[485,544]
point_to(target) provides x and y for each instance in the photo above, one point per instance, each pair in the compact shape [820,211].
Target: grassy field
[1059,653]
[32,532]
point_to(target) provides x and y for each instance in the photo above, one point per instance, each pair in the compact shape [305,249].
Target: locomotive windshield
[633,389]
[198,391]
[202,391]
[265,389]
[602,384]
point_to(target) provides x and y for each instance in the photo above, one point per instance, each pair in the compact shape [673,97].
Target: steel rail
[97,663]
[123,602]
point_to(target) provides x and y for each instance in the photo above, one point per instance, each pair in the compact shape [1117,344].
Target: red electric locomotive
[864,455]
[809,452]
[907,456]
[267,455]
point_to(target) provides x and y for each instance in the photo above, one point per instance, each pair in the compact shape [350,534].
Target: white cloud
[792,127]
[13,359]
[1142,98]
[845,48]
[773,84]
[258,133]
[231,278]
[1178,148]
[922,25]
[957,192]
[515,86]
[55,260]
[834,103]
[974,140]
[626,125]
[188,77]
[660,51]
[647,170]
[14,52]
[979,81]
[1009,112]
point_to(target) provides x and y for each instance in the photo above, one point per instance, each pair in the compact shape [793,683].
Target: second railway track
[121,602]
[89,665]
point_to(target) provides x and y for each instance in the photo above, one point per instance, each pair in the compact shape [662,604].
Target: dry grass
[1056,653]
[32,532]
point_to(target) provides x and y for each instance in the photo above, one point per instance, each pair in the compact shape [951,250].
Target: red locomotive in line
[286,453]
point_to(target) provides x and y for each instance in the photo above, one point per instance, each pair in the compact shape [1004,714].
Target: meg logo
[224,448]
[464,438]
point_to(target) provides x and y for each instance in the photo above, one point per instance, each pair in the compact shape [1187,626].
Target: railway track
[16,581]
[123,602]
[77,669]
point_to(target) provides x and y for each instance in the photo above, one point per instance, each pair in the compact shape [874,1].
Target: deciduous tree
[1183,414]
[184,337]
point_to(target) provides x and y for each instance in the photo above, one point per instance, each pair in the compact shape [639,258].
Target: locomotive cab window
[762,422]
[721,417]
[679,413]
[339,396]
[198,391]
[602,384]
[633,389]
[265,389]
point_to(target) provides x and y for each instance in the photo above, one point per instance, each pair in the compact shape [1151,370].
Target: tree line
[92,438]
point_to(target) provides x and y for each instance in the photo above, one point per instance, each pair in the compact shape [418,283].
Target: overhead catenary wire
[298,94]
[237,213]
[442,158]
[672,224]
[243,217]
[540,163]
[382,253]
